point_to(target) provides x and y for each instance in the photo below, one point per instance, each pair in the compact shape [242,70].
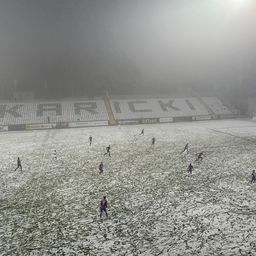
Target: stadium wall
[85,113]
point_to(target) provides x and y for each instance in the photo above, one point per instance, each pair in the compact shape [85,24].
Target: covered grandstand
[101,112]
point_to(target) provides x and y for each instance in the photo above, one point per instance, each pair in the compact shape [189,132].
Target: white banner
[39,126]
[166,120]
[149,120]
[3,128]
[128,121]
[201,118]
[228,116]
[86,124]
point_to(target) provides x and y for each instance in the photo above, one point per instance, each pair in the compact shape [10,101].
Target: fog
[73,47]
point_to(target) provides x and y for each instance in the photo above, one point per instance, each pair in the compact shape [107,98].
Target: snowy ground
[51,208]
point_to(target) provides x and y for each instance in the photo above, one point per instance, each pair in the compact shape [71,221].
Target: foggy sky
[127,45]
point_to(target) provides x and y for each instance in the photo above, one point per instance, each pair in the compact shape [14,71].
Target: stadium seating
[157,108]
[118,109]
[30,112]
[216,106]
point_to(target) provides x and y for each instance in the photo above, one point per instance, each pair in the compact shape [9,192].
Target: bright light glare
[240,2]
[237,5]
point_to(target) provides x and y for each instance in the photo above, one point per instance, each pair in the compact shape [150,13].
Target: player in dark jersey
[253,176]
[108,151]
[185,149]
[153,141]
[90,140]
[190,170]
[101,167]
[142,132]
[103,206]
[55,154]
[200,156]
[19,164]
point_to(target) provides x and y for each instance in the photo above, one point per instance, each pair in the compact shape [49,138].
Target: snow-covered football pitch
[52,206]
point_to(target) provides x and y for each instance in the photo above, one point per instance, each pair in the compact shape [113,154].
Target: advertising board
[87,124]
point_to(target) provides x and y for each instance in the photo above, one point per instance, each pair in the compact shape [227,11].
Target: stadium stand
[216,106]
[98,112]
[54,112]
[157,108]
